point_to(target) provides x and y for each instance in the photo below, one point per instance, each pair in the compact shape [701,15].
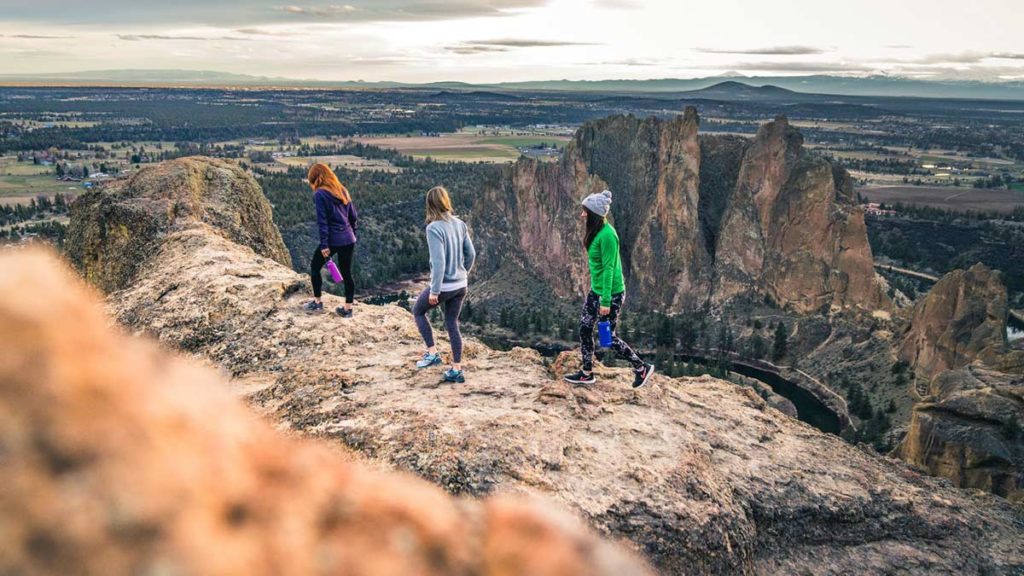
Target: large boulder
[970,429]
[700,475]
[117,458]
[115,229]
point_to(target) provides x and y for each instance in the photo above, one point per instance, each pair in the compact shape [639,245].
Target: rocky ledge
[970,429]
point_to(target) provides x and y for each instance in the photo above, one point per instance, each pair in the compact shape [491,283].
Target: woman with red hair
[336,219]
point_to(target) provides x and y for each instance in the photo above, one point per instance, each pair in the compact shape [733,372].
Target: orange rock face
[113,230]
[960,321]
[117,458]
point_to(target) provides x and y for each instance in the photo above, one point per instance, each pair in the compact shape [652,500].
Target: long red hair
[322,177]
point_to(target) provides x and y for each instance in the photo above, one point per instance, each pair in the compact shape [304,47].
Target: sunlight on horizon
[515,40]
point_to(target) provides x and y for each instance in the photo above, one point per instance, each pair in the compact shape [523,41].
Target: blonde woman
[336,219]
[451,258]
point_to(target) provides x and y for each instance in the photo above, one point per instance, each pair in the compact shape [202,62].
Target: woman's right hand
[326,252]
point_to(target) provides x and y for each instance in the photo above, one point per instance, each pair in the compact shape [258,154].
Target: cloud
[265,32]
[525,43]
[507,44]
[465,50]
[332,10]
[966,57]
[899,46]
[959,58]
[631,62]
[407,10]
[618,4]
[35,37]
[969,72]
[142,37]
[248,13]
[772,51]
[804,67]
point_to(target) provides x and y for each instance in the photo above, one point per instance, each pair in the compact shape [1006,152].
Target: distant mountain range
[717,87]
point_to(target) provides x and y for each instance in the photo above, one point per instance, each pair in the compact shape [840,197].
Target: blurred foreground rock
[117,458]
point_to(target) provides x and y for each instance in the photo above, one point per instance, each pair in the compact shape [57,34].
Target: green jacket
[606,265]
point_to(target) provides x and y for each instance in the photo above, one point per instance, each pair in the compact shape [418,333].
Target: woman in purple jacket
[336,219]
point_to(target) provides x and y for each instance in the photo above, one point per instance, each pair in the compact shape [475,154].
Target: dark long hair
[594,225]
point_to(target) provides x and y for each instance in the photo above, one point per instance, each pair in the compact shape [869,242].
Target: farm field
[20,182]
[949,198]
[463,146]
[346,161]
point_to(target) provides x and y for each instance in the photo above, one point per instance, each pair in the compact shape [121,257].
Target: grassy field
[9,166]
[20,182]
[949,198]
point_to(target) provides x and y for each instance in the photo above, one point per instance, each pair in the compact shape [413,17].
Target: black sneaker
[642,376]
[453,376]
[580,377]
[343,313]
[313,307]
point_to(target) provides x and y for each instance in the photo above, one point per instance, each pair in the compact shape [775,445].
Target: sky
[515,40]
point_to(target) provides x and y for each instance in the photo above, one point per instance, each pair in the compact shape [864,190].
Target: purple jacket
[335,220]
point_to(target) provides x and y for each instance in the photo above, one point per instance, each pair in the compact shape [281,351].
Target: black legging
[344,265]
[591,311]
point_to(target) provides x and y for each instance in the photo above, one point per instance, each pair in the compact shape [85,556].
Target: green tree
[781,345]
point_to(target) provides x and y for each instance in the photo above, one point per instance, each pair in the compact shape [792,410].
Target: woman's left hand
[326,252]
[433,299]
[605,311]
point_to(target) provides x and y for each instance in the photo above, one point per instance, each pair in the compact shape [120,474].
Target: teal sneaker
[429,360]
[454,376]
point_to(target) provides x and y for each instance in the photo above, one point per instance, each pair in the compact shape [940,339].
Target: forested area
[391,208]
[35,219]
[930,239]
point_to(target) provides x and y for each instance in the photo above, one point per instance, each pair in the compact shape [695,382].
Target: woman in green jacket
[607,291]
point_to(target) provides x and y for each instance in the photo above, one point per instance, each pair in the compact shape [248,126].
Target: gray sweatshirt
[451,255]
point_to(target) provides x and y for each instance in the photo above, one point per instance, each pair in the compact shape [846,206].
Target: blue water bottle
[604,333]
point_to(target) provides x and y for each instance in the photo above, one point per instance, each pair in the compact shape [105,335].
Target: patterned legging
[589,320]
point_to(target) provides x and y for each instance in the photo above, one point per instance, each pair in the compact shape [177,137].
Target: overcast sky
[510,40]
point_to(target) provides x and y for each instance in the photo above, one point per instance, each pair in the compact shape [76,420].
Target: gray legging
[452,302]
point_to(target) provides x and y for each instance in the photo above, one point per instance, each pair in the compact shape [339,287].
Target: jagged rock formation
[792,230]
[118,459]
[960,321]
[970,429]
[762,218]
[538,202]
[652,167]
[701,475]
[114,230]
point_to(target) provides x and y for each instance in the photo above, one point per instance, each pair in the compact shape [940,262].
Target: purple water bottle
[604,333]
[335,273]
